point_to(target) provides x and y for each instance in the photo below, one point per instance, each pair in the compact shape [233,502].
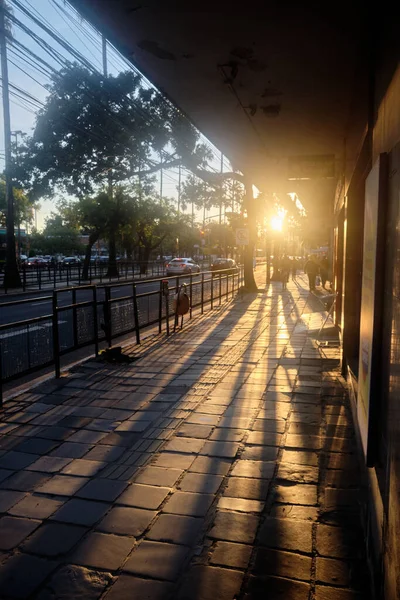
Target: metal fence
[95,315]
[52,276]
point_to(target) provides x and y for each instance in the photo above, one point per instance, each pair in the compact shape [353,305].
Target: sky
[26,76]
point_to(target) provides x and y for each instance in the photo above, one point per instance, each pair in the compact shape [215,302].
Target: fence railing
[49,276]
[94,315]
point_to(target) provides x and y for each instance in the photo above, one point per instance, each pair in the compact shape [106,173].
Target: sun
[276,223]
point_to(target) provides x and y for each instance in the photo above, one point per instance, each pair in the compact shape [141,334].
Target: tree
[23,207]
[60,238]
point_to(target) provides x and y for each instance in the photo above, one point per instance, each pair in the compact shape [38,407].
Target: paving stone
[264,438]
[330,593]
[242,487]
[83,467]
[129,588]
[62,485]
[157,560]
[185,445]
[173,461]
[286,534]
[241,505]
[25,481]
[71,582]
[204,583]
[103,453]
[56,433]
[53,539]
[294,457]
[228,554]
[278,589]
[234,527]
[143,496]
[103,551]
[80,512]
[102,489]
[201,483]
[194,431]
[8,498]
[298,473]
[17,460]
[37,446]
[296,494]
[22,574]
[159,476]
[49,464]
[311,442]
[85,436]
[126,521]
[254,469]
[216,466]
[176,529]
[14,530]
[220,449]
[186,503]
[338,542]
[227,435]
[269,425]
[292,511]
[35,507]
[264,453]
[337,498]
[282,564]
[4,474]
[72,450]
[333,572]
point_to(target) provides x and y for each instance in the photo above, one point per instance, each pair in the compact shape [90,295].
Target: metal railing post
[95,322]
[56,339]
[1,376]
[202,294]
[40,278]
[74,318]
[160,307]
[190,295]
[227,287]
[212,292]
[136,313]
[107,315]
[220,289]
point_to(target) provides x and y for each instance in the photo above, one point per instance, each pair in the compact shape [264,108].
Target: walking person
[295,266]
[324,266]
[311,268]
[285,270]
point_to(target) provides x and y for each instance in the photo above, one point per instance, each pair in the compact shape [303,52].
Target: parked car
[225,264]
[182,266]
[35,261]
[71,261]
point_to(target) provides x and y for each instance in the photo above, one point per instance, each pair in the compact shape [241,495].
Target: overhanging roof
[262,80]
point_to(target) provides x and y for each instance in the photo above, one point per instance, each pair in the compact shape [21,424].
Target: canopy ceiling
[263,80]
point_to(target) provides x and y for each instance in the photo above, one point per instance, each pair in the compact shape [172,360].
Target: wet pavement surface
[221,463]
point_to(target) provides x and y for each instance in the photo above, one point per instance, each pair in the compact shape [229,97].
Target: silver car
[182,266]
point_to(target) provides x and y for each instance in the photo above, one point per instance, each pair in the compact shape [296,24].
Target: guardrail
[77,317]
[52,276]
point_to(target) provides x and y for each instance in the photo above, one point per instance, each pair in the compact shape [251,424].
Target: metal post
[212,292]
[220,289]
[95,322]
[56,339]
[40,278]
[227,287]
[191,295]
[202,294]
[160,307]
[74,318]
[136,313]
[107,315]
[1,377]
[68,267]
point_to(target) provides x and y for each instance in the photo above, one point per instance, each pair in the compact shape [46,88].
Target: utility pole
[220,197]
[16,134]
[179,187]
[11,273]
[161,177]
[104,53]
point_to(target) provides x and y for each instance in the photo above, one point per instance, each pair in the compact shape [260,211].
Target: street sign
[242,237]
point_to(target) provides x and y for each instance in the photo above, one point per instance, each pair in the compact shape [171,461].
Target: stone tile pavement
[219,464]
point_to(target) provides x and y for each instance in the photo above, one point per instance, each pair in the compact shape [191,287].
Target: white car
[182,266]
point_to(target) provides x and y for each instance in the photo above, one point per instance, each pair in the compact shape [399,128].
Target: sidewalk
[219,465]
